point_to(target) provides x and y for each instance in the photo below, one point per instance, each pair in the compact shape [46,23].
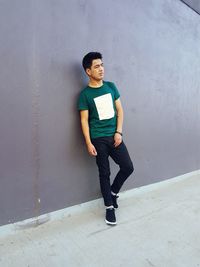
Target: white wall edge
[87,206]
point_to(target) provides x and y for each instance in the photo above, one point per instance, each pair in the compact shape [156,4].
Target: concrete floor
[158,226]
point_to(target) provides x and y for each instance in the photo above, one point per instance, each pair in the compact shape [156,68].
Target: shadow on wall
[78,81]
[81,79]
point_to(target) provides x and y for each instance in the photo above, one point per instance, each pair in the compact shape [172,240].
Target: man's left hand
[117,139]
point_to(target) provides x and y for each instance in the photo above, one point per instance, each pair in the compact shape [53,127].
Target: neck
[95,84]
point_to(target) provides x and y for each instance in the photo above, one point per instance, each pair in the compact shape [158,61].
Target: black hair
[87,60]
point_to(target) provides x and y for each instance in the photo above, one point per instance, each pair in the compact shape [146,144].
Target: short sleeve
[82,102]
[115,90]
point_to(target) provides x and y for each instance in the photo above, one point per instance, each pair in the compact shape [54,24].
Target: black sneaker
[114,200]
[110,216]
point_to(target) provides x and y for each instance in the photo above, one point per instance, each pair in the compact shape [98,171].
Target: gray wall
[151,51]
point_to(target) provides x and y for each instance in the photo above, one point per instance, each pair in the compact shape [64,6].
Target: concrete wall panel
[150,51]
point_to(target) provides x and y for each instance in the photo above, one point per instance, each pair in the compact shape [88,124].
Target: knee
[131,168]
[128,168]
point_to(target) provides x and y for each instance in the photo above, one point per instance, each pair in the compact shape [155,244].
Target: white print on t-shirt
[104,105]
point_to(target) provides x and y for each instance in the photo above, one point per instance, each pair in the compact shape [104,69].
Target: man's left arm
[120,116]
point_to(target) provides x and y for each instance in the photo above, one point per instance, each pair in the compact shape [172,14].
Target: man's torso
[100,102]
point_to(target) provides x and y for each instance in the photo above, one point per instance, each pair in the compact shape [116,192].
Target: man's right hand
[91,149]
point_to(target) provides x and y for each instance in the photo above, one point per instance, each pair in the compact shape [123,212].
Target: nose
[101,68]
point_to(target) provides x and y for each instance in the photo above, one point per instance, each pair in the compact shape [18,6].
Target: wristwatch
[118,132]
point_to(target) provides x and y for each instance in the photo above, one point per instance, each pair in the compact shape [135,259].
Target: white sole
[110,223]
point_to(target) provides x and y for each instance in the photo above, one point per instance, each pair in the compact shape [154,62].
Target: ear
[88,71]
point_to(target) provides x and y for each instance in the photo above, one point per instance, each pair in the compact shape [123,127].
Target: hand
[117,139]
[91,149]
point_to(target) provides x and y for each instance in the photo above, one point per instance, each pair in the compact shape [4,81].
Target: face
[96,72]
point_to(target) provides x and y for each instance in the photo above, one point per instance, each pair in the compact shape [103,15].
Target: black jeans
[105,148]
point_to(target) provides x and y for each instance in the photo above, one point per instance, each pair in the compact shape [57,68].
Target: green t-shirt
[100,102]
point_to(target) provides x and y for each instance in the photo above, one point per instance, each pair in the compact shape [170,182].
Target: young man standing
[101,116]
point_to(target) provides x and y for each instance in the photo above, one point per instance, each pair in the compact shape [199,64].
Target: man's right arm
[84,114]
